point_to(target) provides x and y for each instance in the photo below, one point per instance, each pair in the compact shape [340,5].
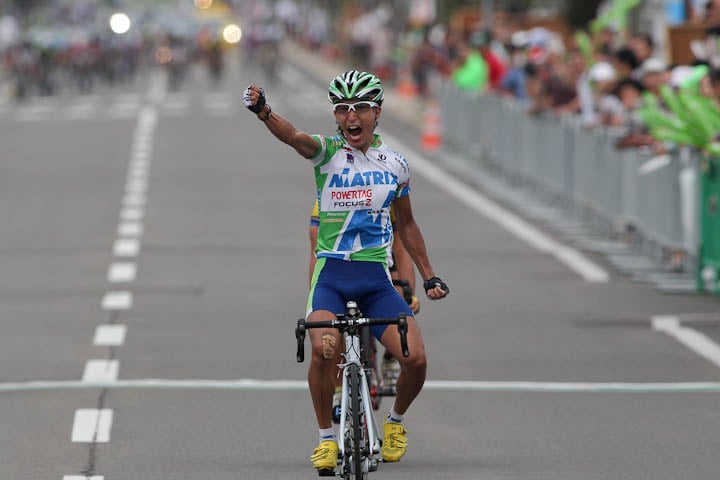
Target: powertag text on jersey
[355,190]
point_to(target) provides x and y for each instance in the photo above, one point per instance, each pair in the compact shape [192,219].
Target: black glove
[434,282]
[258,107]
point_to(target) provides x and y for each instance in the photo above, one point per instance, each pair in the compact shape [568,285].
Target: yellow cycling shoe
[394,441]
[325,455]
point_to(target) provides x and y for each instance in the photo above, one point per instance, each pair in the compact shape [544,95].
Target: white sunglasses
[359,107]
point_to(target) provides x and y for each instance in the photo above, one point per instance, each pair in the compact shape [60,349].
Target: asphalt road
[149,234]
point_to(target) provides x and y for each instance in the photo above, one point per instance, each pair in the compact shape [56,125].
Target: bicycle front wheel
[359,438]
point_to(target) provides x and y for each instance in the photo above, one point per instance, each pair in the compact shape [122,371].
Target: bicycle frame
[350,325]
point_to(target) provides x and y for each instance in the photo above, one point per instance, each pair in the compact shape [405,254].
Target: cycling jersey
[315,216]
[355,190]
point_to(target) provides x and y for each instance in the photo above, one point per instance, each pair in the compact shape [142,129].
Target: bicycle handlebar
[344,323]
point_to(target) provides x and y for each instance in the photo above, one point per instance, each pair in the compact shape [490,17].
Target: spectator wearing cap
[653,74]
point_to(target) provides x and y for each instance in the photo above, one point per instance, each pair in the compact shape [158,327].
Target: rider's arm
[409,232]
[404,269]
[302,142]
[411,237]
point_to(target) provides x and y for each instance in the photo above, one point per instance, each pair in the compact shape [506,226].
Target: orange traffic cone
[431,137]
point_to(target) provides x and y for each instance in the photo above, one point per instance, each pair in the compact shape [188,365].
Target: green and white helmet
[354,85]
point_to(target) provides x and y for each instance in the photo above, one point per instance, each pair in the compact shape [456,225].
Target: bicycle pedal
[326,472]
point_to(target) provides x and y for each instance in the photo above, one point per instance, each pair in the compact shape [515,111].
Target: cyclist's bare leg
[322,372]
[414,367]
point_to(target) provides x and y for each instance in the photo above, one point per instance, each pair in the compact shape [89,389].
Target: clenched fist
[254,98]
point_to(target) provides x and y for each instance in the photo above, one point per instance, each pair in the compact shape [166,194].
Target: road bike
[358,435]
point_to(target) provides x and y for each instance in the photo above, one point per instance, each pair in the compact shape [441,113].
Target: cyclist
[402,273]
[358,177]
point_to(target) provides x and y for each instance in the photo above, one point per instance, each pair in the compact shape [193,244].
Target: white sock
[394,417]
[327,434]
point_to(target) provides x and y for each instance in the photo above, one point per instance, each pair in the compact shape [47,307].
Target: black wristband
[264,114]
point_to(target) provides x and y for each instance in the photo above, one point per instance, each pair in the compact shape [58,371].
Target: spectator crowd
[602,82]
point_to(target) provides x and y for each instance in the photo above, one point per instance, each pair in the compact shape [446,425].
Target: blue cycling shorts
[369,284]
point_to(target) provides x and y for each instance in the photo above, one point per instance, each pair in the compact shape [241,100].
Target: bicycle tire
[358,439]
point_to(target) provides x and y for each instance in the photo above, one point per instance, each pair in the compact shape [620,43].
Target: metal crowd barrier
[655,197]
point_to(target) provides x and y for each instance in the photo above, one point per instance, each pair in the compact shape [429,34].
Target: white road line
[117,301]
[694,340]
[134,200]
[130,229]
[101,371]
[138,171]
[122,272]
[132,214]
[83,477]
[126,247]
[92,425]
[568,256]
[110,335]
[430,385]
[137,185]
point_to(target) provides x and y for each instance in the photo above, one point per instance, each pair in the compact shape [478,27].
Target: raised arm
[283,130]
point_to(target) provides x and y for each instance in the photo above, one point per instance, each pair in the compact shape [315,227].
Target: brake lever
[300,337]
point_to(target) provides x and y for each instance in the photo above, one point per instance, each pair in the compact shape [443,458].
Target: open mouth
[354,132]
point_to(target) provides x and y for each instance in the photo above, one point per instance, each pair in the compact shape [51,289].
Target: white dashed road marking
[126,247]
[92,425]
[117,301]
[122,272]
[101,371]
[132,214]
[109,335]
[130,229]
